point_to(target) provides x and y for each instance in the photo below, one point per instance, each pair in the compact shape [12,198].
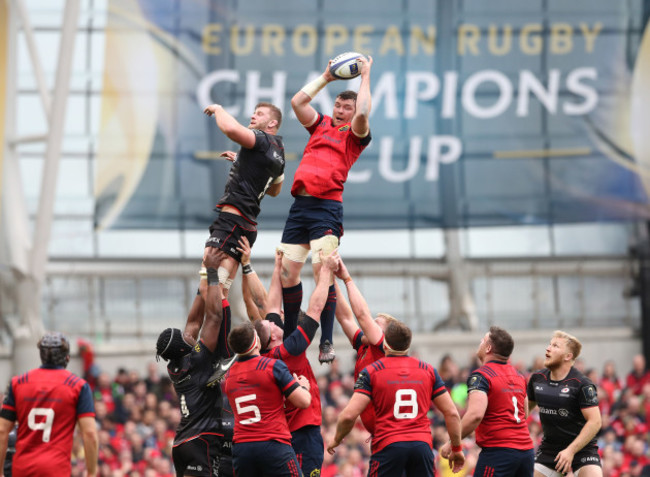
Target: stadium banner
[483,113]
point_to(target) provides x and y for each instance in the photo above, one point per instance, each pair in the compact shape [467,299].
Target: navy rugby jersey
[560,406]
[252,173]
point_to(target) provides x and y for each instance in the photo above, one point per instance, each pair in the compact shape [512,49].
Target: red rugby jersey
[46,402]
[401,389]
[504,422]
[328,156]
[366,354]
[255,387]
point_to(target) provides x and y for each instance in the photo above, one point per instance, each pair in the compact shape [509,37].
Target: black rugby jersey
[252,173]
[560,406]
[200,405]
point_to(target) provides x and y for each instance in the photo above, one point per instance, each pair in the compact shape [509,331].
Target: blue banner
[484,113]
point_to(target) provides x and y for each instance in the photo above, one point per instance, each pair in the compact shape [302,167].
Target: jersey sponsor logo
[590,458]
[539,388]
[473,380]
[563,413]
[277,156]
[197,348]
[344,128]
[545,410]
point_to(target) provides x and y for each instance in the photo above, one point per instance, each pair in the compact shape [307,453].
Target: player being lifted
[316,217]
[257,170]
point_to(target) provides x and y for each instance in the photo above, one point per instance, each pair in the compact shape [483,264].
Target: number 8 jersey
[401,389]
[504,422]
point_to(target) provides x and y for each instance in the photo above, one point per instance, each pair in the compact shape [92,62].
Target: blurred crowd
[137,417]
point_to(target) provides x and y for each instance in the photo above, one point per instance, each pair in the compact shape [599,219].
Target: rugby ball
[345,66]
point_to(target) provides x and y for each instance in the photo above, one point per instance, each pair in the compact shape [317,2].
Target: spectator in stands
[639,375]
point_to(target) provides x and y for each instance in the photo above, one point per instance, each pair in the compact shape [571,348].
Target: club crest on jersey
[314,473]
[344,128]
[564,390]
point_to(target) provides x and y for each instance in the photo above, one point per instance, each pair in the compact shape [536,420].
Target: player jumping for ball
[316,217]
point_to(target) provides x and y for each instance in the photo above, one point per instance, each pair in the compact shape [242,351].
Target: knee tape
[327,244]
[224,278]
[294,252]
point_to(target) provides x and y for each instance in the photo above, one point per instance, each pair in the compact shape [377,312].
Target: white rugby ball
[346,65]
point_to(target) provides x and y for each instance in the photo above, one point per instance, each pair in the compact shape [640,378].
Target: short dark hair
[54,349]
[275,111]
[502,342]
[398,336]
[171,345]
[263,332]
[348,94]
[241,337]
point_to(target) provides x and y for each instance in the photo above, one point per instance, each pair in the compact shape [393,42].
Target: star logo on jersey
[564,390]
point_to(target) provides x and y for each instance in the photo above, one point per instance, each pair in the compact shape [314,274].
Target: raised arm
[359,307]
[305,112]
[319,295]
[360,120]
[344,314]
[213,302]
[255,296]
[231,127]
[274,299]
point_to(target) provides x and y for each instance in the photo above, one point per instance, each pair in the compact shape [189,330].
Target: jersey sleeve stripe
[363,391]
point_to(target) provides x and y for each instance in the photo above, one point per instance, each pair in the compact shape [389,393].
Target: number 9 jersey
[46,402]
[504,422]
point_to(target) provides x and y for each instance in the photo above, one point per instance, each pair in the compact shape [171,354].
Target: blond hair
[572,343]
[387,317]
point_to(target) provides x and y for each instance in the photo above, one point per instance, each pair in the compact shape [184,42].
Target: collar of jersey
[51,366]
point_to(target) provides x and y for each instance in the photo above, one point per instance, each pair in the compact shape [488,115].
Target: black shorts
[311,218]
[199,457]
[226,231]
[586,456]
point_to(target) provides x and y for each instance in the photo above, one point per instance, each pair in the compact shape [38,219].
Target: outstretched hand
[229,155]
[331,261]
[213,257]
[210,110]
[245,250]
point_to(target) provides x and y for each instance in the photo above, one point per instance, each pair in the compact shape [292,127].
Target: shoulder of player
[576,376]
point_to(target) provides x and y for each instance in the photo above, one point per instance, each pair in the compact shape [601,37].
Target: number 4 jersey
[504,422]
[46,402]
